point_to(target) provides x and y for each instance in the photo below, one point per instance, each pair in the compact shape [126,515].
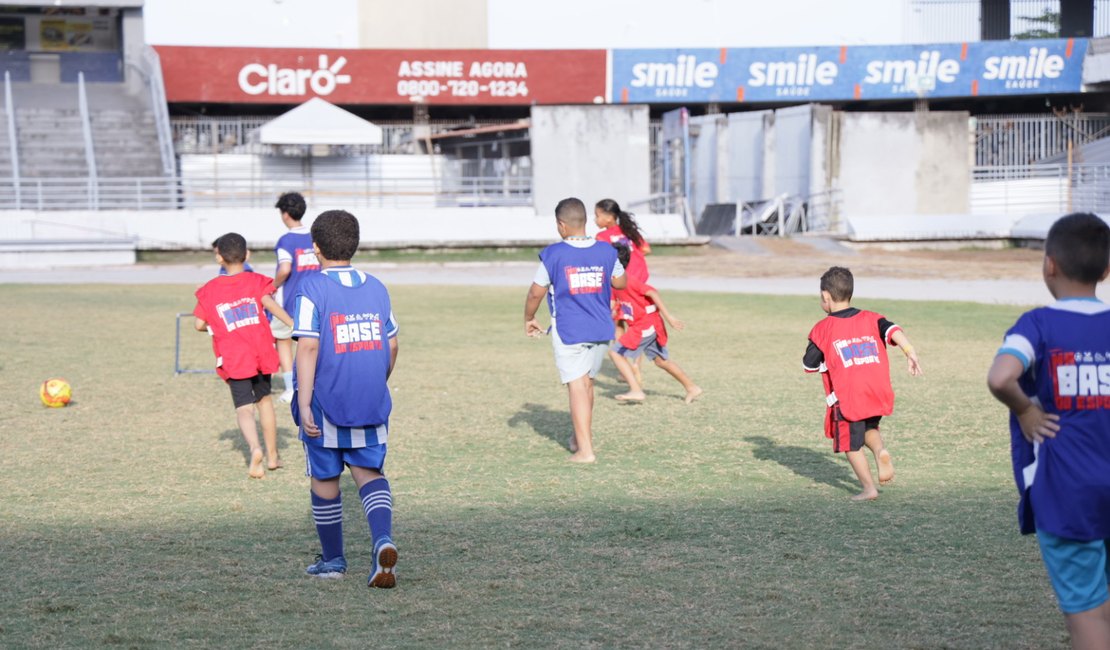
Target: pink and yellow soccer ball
[55,392]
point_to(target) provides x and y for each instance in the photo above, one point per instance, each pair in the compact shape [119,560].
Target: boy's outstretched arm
[666,313]
[900,339]
[271,306]
[308,349]
[1002,380]
[201,325]
[531,304]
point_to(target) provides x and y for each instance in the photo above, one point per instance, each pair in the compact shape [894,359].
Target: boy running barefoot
[231,306]
[848,348]
[576,274]
[644,312]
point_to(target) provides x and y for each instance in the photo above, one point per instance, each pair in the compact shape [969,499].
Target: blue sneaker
[333,568]
[385,558]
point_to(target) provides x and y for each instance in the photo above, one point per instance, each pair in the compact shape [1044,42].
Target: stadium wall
[902,163]
[381,228]
[591,152]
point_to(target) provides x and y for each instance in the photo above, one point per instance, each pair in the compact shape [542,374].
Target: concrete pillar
[994,20]
[1077,18]
[132,42]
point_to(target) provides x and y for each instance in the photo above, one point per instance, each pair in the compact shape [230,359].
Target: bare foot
[255,470]
[886,467]
[693,394]
[631,396]
[275,463]
[579,457]
[572,444]
[869,494]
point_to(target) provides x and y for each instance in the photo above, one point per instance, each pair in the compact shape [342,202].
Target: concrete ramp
[929,227]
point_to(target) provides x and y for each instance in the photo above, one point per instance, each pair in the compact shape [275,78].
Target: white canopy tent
[319,122]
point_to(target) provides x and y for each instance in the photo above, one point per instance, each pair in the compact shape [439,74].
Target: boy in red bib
[231,307]
[848,348]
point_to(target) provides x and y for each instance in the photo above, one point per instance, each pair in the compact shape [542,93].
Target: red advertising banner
[291,76]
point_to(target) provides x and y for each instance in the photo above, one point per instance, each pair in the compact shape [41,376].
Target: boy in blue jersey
[346,349]
[575,275]
[1053,372]
[295,258]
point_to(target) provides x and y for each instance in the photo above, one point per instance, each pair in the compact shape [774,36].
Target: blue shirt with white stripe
[1064,481]
[351,315]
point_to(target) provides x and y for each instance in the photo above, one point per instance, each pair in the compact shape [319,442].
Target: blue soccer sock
[328,515]
[377,502]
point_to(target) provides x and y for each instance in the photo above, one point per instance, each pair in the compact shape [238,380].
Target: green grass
[128,521]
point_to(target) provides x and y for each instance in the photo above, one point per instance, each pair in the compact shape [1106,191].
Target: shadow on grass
[547,422]
[195,581]
[806,463]
[235,437]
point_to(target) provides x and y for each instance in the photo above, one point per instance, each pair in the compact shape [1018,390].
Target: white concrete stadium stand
[37,254]
[22,232]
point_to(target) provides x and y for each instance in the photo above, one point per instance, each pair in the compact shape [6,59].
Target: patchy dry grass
[128,521]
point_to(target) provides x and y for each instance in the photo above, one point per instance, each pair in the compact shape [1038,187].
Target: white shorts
[574,361]
[280,330]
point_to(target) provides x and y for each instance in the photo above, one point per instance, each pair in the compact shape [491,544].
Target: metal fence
[1040,189]
[1003,140]
[957,21]
[239,134]
[160,193]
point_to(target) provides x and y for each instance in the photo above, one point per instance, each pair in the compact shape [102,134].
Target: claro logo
[258,79]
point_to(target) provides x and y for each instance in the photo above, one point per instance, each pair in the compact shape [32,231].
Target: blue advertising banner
[847,73]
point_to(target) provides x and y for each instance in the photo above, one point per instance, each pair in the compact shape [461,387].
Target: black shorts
[848,435]
[249,391]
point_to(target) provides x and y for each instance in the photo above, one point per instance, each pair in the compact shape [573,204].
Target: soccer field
[128,519]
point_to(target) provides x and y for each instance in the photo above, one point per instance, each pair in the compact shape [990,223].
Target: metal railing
[1004,140]
[86,132]
[239,134]
[161,193]
[152,68]
[1040,189]
[13,137]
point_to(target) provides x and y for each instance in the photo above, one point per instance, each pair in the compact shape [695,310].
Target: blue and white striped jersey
[351,314]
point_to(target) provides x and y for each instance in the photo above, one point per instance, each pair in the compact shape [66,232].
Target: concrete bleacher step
[51,137]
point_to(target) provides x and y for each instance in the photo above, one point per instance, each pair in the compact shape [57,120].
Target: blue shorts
[325,463]
[649,345]
[1078,571]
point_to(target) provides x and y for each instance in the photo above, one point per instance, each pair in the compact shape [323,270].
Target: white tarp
[318,122]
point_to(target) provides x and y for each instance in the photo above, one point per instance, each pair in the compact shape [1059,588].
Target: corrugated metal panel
[793,136]
[745,156]
[703,162]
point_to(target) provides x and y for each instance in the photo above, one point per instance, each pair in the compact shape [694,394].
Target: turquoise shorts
[1078,571]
